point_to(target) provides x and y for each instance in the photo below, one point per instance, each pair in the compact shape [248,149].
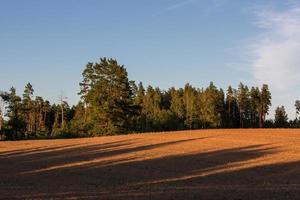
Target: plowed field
[206,164]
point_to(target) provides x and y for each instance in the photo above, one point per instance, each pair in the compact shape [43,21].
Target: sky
[163,43]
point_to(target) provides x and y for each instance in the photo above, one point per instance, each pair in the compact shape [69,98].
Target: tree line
[112,104]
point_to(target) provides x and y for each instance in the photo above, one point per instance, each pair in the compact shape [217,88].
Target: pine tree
[152,108]
[16,121]
[232,119]
[47,123]
[189,99]
[78,124]
[265,103]
[139,119]
[28,110]
[212,106]
[281,118]
[107,94]
[254,106]
[243,102]
[56,126]
[39,122]
[297,106]
[177,107]
[63,105]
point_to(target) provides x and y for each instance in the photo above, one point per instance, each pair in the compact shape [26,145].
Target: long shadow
[28,151]
[34,160]
[171,169]
[41,150]
[198,175]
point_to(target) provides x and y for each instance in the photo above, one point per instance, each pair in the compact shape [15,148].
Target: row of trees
[281,118]
[28,117]
[113,104]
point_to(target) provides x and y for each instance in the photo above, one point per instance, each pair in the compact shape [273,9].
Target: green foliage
[112,104]
[281,118]
[212,106]
[189,99]
[265,103]
[297,106]
[231,118]
[108,97]
[269,123]
[177,107]
[244,104]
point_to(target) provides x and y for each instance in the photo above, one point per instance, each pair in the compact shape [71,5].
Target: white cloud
[211,7]
[276,52]
[173,7]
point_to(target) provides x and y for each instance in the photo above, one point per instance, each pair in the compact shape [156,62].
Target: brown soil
[209,164]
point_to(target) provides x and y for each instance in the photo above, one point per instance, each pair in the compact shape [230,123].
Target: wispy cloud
[276,53]
[211,6]
[173,7]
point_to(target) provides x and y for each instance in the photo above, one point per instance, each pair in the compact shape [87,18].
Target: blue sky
[161,42]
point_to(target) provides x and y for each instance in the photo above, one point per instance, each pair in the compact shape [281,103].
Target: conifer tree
[231,104]
[189,98]
[28,109]
[106,92]
[297,106]
[140,118]
[243,103]
[177,106]
[265,103]
[16,121]
[281,118]
[212,106]
[254,106]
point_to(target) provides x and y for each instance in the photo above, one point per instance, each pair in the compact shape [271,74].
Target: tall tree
[297,106]
[63,104]
[189,99]
[243,102]
[254,106]
[265,103]
[231,104]
[106,92]
[78,123]
[28,109]
[177,106]
[47,122]
[16,121]
[212,106]
[56,125]
[39,103]
[281,117]
[152,108]
[139,119]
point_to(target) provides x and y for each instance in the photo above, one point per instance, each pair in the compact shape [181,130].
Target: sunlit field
[208,164]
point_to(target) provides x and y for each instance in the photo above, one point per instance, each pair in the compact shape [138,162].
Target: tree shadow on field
[118,170]
[56,157]
[48,151]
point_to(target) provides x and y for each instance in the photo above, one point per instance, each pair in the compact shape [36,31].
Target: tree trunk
[62,116]
[85,112]
[260,120]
